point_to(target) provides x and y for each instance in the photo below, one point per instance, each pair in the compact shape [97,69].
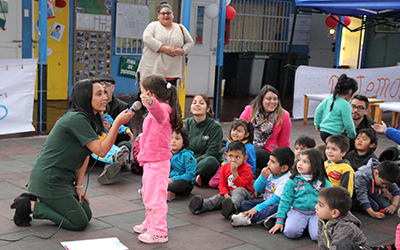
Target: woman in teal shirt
[56,181]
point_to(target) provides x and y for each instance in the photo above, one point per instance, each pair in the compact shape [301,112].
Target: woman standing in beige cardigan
[165,45]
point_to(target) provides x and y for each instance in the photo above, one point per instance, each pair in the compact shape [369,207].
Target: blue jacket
[393,134]
[363,184]
[183,166]
[250,152]
[300,195]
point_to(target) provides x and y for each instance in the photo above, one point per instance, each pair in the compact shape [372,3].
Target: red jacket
[245,179]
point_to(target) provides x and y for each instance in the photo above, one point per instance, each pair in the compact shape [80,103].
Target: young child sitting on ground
[339,171]
[337,225]
[116,156]
[183,165]
[303,142]
[235,184]
[243,131]
[365,144]
[300,195]
[370,181]
[271,181]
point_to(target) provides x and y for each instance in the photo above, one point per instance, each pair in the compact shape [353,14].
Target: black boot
[22,206]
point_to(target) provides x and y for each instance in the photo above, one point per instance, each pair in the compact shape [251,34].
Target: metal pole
[186,13]
[339,32]
[42,68]
[220,58]
[289,56]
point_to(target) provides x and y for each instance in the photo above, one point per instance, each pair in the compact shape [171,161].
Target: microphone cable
[62,221]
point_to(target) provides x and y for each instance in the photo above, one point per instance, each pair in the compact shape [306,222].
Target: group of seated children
[300,197]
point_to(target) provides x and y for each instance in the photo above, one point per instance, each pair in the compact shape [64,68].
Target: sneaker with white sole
[140,192]
[122,156]
[228,208]
[269,223]
[150,238]
[170,196]
[140,229]
[196,204]
[240,220]
[110,172]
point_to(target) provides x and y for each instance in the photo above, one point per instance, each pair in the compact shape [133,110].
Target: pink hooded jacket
[156,138]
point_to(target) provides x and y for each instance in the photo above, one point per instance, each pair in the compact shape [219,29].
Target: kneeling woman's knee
[79,225]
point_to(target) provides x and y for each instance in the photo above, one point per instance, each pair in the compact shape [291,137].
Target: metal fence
[259,26]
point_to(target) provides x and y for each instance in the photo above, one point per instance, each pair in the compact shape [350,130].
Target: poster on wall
[92,40]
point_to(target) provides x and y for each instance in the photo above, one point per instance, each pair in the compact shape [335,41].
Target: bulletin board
[92,38]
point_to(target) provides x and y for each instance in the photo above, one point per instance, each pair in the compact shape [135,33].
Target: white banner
[17,86]
[381,82]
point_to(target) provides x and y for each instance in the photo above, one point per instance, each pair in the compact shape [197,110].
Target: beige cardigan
[153,62]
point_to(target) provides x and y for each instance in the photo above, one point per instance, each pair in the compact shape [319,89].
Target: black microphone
[135,107]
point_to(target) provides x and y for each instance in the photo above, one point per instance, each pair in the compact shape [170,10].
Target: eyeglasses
[106,83]
[359,108]
[165,13]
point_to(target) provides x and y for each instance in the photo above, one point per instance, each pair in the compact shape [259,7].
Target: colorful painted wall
[57,47]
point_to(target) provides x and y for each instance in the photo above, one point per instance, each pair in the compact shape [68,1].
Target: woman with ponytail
[333,115]
[161,100]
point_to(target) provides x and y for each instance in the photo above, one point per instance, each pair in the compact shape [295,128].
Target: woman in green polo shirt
[55,185]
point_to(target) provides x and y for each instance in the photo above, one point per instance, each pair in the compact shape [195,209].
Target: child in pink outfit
[161,100]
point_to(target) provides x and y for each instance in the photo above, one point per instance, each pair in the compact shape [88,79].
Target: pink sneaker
[149,238]
[140,229]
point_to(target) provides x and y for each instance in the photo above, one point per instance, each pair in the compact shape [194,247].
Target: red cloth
[245,179]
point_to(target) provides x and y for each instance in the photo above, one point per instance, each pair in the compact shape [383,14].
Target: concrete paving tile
[127,221]
[212,220]
[34,141]
[374,237]
[5,209]
[126,191]
[19,179]
[5,158]
[9,191]
[194,237]
[15,166]
[257,235]
[19,150]
[386,226]
[8,226]
[107,205]
[128,239]
[28,243]
[245,247]
[28,159]
[47,228]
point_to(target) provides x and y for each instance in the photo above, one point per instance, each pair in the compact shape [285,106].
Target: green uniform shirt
[64,152]
[205,138]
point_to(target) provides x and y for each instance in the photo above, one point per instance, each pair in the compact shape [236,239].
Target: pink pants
[154,195]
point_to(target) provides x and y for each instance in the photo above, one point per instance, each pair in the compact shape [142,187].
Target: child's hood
[349,218]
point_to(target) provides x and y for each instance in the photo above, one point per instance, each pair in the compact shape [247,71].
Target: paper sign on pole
[17,86]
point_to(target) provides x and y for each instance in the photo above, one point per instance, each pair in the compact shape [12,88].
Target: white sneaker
[238,220]
[122,156]
[110,172]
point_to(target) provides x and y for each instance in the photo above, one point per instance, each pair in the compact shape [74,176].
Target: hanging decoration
[230,12]
[347,21]
[330,22]
[212,10]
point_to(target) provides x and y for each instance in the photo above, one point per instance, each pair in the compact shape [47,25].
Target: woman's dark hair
[185,136]
[343,87]
[316,159]
[163,5]
[167,93]
[81,100]
[248,126]
[210,113]
[258,107]
[58,26]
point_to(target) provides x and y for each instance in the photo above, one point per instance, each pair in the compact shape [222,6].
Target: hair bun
[163,2]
